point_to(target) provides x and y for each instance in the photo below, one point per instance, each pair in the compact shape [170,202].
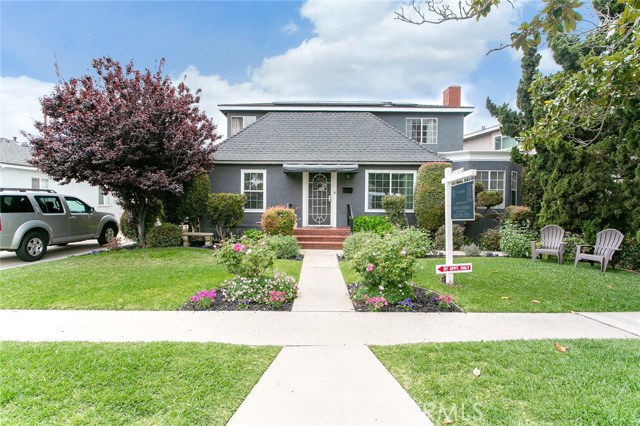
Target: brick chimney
[451,96]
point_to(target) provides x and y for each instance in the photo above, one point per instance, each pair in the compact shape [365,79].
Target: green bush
[518,214]
[254,234]
[489,199]
[490,240]
[458,237]
[630,253]
[225,211]
[470,250]
[283,246]
[246,258]
[191,206]
[429,196]
[394,206]
[165,235]
[570,243]
[386,268]
[278,220]
[515,240]
[377,224]
[356,241]
[416,241]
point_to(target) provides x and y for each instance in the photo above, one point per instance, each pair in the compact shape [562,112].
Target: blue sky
[242,51]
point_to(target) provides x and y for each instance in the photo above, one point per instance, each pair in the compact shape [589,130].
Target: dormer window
[423,130]
[240,122]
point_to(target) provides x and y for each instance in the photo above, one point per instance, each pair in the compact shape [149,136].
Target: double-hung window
[254,187]
[492,180]
[423,130]
[39,183]
[381,183]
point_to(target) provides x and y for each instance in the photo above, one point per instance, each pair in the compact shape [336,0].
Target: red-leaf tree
[133,133]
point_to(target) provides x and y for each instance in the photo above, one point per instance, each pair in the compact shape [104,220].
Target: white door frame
[334,200]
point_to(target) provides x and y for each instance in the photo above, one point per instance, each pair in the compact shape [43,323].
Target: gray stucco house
[329,159]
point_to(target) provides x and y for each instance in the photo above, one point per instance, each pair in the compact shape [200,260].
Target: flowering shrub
[386,267]
[416,241]
[204,298]
[515,240]
[375,304]
[246,258]
[355,241]
[276,298]
[444,301]
[406,305]
[280,288]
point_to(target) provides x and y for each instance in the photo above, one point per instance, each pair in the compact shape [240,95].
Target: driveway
[9,259]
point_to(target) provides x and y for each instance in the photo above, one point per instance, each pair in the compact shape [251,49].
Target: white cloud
[20,105]
[289,29]
[547,64]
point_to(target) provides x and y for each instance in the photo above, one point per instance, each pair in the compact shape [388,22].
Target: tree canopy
[133,133]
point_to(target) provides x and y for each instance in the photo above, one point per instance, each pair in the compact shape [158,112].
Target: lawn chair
[550,243]
[607,243]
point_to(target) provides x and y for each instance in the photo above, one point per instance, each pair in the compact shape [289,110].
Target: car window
[77,206]
[49,204]
[15,204]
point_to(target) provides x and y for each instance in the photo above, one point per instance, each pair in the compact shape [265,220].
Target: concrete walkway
[325,374]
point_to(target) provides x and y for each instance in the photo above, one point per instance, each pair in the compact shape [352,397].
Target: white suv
[32,219]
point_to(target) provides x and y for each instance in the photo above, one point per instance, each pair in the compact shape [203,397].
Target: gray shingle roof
[322,137]
[14,153]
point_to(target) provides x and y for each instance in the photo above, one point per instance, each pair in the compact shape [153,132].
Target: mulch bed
[423,302]
[228,305]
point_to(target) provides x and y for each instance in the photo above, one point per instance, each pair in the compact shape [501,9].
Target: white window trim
[504,187]
[106,198]
[264,188]
[40,180]
[366,188]
[408,133]
[514,200]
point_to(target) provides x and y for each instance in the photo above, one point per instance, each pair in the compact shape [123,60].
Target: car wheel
[32,247]
[109,232]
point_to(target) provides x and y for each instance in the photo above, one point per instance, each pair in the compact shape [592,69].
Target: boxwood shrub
[165,235]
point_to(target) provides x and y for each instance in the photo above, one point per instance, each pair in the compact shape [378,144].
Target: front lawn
[516,285]
[141,279]
[595,382]
[126,383]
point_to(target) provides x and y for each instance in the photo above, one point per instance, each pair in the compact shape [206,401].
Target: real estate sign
[463,206]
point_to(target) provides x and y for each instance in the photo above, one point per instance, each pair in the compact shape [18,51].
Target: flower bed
[221,303]
[424,301]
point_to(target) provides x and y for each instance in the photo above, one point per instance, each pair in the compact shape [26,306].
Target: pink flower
[370,267]
[239,247]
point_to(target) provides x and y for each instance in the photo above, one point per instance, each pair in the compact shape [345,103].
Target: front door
[320,199]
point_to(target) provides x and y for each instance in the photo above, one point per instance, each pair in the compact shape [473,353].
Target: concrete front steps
[321,238]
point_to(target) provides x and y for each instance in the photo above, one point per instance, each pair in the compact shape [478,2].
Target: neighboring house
[331,159]
[16,172]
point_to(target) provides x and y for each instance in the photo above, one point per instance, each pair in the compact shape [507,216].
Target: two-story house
[332,159]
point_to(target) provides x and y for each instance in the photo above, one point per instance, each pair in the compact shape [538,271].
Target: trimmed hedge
[165,235]
[518,214]
[278,220]
[283,246]
[377,224]
[489,199]
[490,240]
[429,196]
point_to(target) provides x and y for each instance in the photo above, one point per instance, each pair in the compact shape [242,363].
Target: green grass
[126,383]
[145,279]
[511,285]
[521,382]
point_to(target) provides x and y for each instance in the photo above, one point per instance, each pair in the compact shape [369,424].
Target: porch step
[321,238]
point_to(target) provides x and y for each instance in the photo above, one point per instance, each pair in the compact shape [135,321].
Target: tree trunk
[142,217]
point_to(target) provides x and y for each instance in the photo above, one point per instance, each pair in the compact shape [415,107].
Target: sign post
[462,210]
